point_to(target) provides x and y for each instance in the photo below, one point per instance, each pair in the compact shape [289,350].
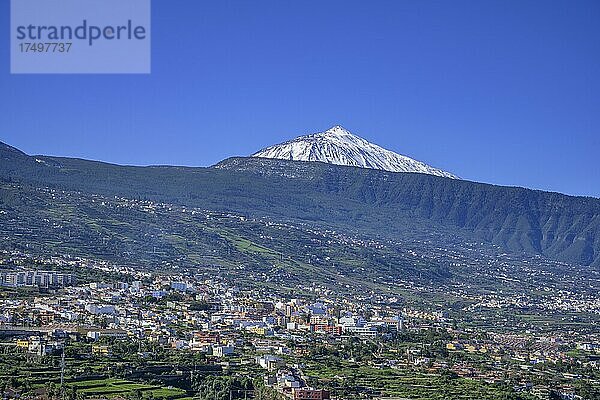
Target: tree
[51,390]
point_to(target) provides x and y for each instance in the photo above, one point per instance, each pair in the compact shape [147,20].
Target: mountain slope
[381,203]
[8,153]
[516,219]
[339,146]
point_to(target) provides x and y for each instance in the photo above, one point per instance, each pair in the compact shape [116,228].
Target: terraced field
[108,388]
[403,384]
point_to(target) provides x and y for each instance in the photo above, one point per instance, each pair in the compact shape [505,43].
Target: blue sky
[506,92]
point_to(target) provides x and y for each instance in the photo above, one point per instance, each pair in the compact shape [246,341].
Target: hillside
[392,205]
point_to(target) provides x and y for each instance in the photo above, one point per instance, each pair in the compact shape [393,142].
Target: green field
[402,383]
[118,387]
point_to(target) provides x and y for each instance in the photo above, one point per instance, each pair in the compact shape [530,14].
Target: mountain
[8,152]
[339,146]
[368,201]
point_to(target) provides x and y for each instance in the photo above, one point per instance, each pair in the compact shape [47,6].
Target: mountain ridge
[229,162]
[377,202]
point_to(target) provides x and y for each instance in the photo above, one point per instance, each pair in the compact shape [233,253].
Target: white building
[222,351]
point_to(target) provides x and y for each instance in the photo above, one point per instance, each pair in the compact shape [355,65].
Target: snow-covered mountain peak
[338,146]
[337,130]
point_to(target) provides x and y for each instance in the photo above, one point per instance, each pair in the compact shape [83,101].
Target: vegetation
[413,205]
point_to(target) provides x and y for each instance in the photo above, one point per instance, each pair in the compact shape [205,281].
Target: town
[128,332]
